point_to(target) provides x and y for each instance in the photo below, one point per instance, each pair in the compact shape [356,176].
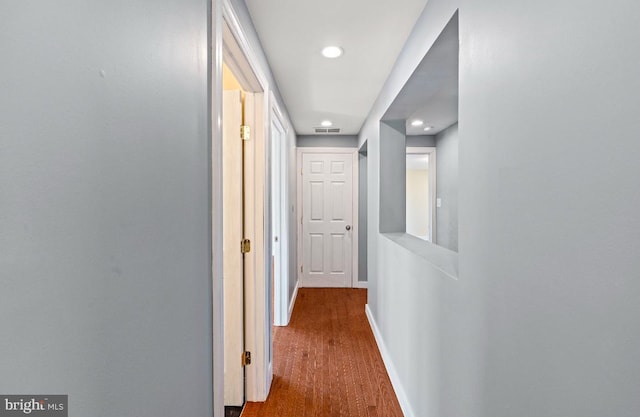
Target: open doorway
[233,214]
[261,107]
[244,232]
[279,203]
[267,151]
[421,192]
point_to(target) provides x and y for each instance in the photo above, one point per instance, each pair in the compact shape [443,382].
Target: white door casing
[233,280]
[228,38]
[276,132]
[258,326]
[328,198]
[246,67]
[280,217]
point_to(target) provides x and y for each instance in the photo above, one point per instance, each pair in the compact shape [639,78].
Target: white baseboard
[360,284]
[391,369]
[293,302]
[269,380]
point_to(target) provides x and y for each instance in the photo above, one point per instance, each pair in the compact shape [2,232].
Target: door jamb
[258,375]
[281,281]
[214,78]
[354,216]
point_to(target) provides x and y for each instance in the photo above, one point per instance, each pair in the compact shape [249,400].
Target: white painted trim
[263,330]
[431,151]
[327,150]
[234,261]
[215,168]
[254,230]
[281,280]
[420,149]
[355,219]
[258,377]
[388,364]
[235,60]
[259,374]
[269,372]
[354,216]
[275,108]
[231,19]
[361,284]
[299,214]
[292,303]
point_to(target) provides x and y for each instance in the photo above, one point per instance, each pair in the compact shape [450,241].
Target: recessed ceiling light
[326,123]
[417,123]
[428,128]
[332,52]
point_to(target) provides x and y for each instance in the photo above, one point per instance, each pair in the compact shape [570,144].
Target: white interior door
[276,231]
[233,281]
[280,229]
[327,219]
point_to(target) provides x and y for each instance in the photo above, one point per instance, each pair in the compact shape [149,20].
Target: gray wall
[420,141]
[362,216]
[447,187]
[327,141]
[105,255]
[393,177]
[543,318]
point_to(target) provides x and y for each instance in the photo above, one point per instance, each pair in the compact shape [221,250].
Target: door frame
[257,177]
[282,273]
[354,219]
[233,266]
[227,34]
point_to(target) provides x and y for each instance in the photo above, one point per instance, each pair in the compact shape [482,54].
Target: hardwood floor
[326,362]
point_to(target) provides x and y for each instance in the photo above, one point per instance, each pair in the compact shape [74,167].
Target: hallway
[326,362]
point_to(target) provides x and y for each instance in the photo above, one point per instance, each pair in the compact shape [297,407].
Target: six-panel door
[327,228]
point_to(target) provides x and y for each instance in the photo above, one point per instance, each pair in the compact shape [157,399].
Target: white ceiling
[343,90]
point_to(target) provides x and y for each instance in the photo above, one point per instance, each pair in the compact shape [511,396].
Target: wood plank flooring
[326,362]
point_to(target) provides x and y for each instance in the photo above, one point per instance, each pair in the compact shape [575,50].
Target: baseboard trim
[388,363]
[269,380]
[361,284]
[293,302]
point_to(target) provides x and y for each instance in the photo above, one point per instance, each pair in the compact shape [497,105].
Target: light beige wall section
[229,81]
[418,202]
[233,258]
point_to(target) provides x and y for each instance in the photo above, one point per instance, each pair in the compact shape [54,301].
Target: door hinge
[245,132]
[301,269]
[245,246]
[246,358]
